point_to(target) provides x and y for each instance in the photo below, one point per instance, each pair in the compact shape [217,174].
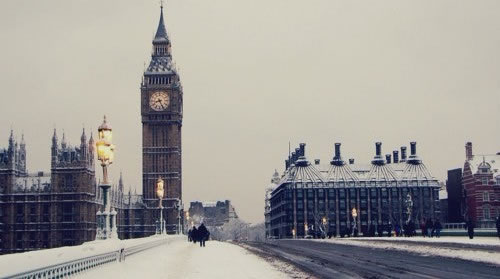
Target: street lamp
[105,154]
[354,214]
[160,191]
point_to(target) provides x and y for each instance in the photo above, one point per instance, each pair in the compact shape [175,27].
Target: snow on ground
[430,246]
[182,259]
[479,241]
[22,262]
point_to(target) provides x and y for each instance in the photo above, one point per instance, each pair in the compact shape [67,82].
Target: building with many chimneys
[341,198]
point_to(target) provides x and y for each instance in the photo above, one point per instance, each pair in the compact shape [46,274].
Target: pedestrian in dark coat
[194,234]
[437,228]
[423,228]
[203,235]
[470,229]
[190,235]
[498,226]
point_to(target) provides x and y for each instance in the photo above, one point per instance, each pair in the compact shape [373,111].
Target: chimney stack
[287,164]
[413,148]
[378,149]
[388,158]
[395,156]
[293,159]
[351,161]
[302,149]
[468,151]
[403,153]
[337,151]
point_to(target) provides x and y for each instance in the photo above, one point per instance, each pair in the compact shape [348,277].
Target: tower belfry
[161,116]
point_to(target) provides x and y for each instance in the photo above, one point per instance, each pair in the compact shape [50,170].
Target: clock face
[159,101]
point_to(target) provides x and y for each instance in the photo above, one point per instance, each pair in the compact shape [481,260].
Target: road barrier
[69,268]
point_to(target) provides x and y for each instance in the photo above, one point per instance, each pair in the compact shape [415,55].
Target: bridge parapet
[62,262]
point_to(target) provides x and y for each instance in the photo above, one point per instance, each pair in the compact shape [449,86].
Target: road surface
[333,260]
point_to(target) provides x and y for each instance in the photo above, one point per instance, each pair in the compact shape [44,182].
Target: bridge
[174,257]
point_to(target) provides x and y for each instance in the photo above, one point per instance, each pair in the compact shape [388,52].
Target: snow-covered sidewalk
[181,259]
[433,246]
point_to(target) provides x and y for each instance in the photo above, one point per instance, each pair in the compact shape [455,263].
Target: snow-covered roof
[35,182]
[161,65]
[492,160]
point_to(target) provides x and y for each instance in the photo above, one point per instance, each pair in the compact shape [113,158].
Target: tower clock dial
[159,101]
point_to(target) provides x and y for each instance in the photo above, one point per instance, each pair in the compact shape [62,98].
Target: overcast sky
[256,75]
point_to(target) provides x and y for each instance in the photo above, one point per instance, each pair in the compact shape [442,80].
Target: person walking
[437,228]
[203,235]
[190,235]
[428,226]
[498,226]
[470,228]
[194,234]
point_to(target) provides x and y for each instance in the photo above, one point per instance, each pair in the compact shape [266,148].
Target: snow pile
[431,246]
[182,259]
[22,262]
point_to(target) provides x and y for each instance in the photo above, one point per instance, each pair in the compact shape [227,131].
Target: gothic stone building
[318,197]
[41,210]
[481,182]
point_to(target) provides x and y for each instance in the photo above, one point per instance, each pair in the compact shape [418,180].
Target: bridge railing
[72,267]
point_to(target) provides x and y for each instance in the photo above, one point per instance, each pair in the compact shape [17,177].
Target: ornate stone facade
[161,114]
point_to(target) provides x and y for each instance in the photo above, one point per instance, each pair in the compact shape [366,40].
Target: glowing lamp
[160,191]
[354,213]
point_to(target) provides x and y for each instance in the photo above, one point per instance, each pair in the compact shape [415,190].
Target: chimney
[403,153]
[293,159]
[351,161]
[316,161]
[378,149]
[468,151]
[413,149]
[395,156]
[378,159]
[388,158]
[302,149]
[337,159]
[287,164]
[337,151]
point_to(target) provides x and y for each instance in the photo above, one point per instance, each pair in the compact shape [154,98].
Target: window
[486,196]
[486,212]
[484,180]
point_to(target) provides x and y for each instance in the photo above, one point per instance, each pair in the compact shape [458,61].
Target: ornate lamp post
[160,192]
[105,154]
[354,214]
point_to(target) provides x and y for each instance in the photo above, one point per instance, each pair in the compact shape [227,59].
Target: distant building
[455,197]
[267,208]
[481,180]
[387,191]
[211,213]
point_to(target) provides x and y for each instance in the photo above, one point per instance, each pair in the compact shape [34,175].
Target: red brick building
[481,180]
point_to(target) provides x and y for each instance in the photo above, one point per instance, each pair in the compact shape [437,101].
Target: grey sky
[257,74]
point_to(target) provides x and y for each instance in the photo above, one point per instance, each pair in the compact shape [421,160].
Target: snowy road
[181,259]
[338,259]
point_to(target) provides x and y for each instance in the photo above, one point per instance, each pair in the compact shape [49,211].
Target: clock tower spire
[161,116]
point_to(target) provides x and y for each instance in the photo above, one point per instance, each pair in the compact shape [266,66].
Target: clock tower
[161,114]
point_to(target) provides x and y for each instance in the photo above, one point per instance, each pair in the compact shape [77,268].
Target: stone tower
[161,114]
